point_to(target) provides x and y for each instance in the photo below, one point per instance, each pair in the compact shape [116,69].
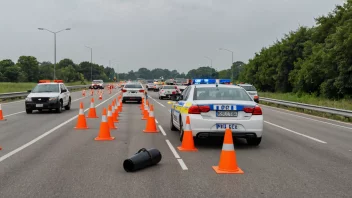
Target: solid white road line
[14,114]
[313,119]
[46,133]
[289,130]
[172,149]
[182,164]
[157,102]
[162,130]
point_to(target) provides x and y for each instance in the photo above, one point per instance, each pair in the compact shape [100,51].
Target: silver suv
[251,90]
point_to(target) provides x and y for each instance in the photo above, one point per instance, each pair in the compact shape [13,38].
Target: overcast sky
[172,34]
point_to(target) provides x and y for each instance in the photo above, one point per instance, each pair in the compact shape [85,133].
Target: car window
[63,87]
[136,86]
[41,88]
[221,93]
[249,88]
[185,93]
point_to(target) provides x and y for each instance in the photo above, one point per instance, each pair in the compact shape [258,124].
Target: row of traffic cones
[109,117]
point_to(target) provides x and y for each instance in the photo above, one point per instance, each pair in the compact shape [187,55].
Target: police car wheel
[29,111]
[172,126]
[59,109]
[254,141]
[68,106]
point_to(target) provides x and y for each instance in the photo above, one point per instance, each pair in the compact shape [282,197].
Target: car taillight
[256,97]
[198,109]
[175,87]
[141,90]
[253,110]
[123,90]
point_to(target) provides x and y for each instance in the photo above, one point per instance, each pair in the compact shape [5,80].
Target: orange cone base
[116,121]
[81,128]
[238,171]
[147,131]
[113,128]
[184,149]
[104,139]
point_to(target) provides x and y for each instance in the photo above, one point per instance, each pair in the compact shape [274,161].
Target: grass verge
[309,99]
[310,112]
[8,87]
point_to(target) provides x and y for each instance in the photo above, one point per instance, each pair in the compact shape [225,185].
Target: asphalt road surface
[44,156]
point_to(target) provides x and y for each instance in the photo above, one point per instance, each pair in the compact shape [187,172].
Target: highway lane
[69,163]
[17,107]
[284,165]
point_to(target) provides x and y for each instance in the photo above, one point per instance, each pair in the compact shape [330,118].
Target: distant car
[251,90]
[166,91]
[150,85]
[97,84]
[213,108]
[48,95]
[181,86]
[132,92]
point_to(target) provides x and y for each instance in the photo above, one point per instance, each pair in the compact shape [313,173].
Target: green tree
[30,66]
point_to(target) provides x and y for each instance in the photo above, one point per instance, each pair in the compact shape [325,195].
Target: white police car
[48,95]
[213,108]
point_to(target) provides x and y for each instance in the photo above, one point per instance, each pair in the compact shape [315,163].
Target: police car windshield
[44,88]
[168,87]
[136,86]
[97,81]
[220,93]
[248,88]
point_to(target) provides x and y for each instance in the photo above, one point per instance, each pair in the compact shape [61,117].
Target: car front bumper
[44,105]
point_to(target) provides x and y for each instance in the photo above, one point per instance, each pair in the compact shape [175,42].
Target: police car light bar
[58,81]
[44,81]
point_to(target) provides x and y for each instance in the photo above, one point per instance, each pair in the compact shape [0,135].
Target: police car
[252,91]
[48,95]
[212,108]
[167,90]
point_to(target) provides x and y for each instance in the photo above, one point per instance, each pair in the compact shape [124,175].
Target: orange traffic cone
[228,162]
[84,92]
[145,113]
[151,125]
[187,140]
[116,115]
[92,113]
[120,106]
[100,96]
[141,105]
[104,132]
[1,115]
[91,92]
[110,119]
[81,121]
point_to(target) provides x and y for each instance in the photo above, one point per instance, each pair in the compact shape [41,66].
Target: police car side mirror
[29,91]
[63,91]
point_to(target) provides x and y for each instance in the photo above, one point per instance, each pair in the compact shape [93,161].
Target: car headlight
[29,99]
[53,99]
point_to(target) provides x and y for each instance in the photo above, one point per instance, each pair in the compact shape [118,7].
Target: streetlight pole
[54,44]
[91,62]
[231,61]
[211,61]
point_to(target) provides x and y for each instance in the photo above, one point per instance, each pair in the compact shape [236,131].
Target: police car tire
[29,111]
[181,131]
[254,141]
[172,126]
[68,106]
[59,110]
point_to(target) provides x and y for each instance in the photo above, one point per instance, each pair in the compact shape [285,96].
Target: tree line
[315,60]
[28,69]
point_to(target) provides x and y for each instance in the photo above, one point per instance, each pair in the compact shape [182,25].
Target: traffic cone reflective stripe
[92,112]
[116,114]
[110,119]
[104,132]
[100,97]
[1,115]
[228,162]
[81,121]
[151,125]
[146,113]
[187,140]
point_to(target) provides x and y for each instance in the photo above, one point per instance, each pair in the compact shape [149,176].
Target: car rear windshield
[150,81]
[44,88]
[168,87]
[249,88]
[221,93]
[136,86]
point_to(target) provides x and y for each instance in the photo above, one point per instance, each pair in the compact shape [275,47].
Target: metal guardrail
[329,110]
[13,95]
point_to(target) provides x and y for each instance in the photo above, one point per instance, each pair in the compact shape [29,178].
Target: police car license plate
[226,113]
[39,105]
[225,126]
